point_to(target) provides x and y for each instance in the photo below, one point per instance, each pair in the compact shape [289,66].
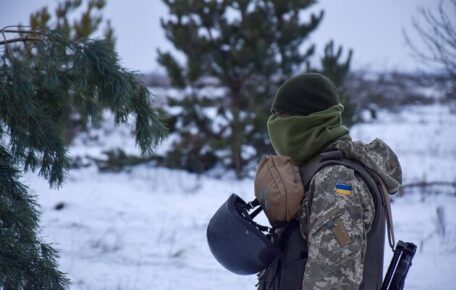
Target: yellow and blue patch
[343,189]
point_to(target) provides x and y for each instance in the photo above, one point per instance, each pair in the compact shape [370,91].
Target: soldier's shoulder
[337,183]
[334,173]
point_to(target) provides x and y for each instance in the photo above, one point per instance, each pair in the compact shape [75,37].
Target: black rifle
[399,267]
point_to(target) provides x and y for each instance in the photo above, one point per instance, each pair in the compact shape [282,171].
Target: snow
[145,228]
[423,138]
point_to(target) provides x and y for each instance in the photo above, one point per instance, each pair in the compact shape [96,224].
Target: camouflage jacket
[337,213]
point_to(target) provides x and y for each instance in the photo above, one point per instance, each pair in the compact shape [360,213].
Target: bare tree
[436,29]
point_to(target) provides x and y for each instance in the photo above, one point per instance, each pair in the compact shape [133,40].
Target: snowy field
[145,228]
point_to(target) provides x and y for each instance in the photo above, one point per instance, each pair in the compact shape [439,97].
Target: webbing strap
[256,212]
[253,204]
[308,171]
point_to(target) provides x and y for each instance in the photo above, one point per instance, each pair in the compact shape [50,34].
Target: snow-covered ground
[145,228]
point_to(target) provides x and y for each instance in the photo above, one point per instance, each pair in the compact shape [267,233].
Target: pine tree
[337,70]
[43,76]
[71,26]
[247,48]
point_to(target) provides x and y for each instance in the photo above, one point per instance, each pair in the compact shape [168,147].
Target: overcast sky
[373,28]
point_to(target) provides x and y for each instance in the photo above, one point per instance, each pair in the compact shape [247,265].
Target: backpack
[279,189]
[286,272]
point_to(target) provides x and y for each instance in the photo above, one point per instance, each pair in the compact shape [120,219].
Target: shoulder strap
[373,182]
[309,169]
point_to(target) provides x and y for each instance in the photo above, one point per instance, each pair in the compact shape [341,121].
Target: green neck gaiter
[302,137]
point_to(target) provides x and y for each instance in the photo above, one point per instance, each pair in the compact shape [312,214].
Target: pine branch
[25,262]
[19,39]
[37,90]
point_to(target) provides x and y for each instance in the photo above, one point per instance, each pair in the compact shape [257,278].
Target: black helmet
[236,241]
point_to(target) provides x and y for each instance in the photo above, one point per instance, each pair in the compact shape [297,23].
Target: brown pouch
[278,188]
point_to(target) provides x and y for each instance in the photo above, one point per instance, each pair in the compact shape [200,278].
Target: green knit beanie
[305,94]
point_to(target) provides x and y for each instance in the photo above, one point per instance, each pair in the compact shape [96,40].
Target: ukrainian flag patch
[343,189]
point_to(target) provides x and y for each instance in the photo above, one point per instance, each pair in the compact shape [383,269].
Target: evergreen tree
[43,75]
[337,70]
[79,27]
[246,47]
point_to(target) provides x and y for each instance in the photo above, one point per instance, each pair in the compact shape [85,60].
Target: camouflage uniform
[336,222]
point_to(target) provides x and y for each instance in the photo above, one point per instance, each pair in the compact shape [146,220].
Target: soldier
[338,211]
